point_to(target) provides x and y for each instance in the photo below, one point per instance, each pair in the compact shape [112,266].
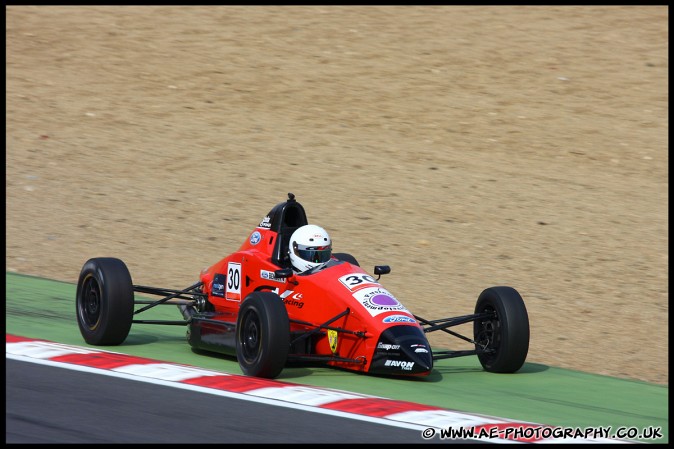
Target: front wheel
[262,335]
[504,335]
[104,301]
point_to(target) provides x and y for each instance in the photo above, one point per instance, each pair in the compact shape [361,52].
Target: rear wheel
[104,301]
[505,335]
[262,335]
[346,258]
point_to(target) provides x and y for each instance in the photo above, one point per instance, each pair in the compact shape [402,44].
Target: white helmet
[310,246]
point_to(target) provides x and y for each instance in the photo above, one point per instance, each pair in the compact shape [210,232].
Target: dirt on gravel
[464,146]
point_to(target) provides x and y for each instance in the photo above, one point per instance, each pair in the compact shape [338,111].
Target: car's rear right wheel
[346,257]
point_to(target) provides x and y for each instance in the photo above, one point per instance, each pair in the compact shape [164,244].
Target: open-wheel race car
[255,306]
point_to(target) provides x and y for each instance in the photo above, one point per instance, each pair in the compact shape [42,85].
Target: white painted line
[166,371]
[44,349]
[443,418]
[303,395]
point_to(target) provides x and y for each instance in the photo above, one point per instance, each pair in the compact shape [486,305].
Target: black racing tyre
[104,301]
[506,334]
[262,335]
[346,258]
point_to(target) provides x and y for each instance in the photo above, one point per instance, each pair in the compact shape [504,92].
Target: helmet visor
[315,254]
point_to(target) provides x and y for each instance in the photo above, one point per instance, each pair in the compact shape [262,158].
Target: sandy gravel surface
[464,146]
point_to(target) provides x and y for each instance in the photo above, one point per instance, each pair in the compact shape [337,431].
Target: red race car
[284,297]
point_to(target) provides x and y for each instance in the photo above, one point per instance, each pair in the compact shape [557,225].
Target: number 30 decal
[233,292]
[356,281]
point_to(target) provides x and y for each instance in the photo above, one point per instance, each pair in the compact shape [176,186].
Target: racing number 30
[233,292]
[358,281]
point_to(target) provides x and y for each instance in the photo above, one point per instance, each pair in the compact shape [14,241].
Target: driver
[310,247]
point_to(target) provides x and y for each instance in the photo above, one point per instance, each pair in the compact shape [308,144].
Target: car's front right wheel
[262,335]
[502,337]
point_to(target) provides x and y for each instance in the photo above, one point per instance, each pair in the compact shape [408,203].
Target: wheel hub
[91,302]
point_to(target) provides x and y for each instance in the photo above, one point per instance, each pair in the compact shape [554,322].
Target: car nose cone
[402,350]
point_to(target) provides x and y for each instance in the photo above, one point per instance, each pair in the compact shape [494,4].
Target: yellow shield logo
[332,339]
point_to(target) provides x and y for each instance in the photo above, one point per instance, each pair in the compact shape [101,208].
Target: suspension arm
[176,294]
